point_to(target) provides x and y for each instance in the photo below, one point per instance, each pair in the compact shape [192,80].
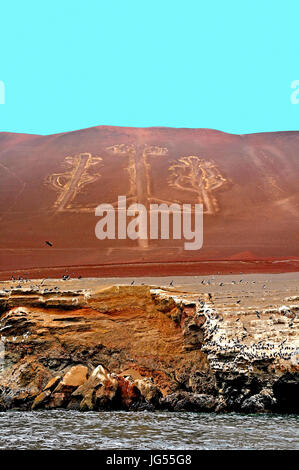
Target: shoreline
[159,268]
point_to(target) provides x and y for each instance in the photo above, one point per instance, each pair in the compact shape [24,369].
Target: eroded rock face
[135,348]
[35,296]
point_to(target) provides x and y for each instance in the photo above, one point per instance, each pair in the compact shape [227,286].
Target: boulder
[221,405]
[186,401]
[99,391]
[40,400]
[58,400]
[259,403]
[52,383]
[149,390]
[128,393]
[75,377]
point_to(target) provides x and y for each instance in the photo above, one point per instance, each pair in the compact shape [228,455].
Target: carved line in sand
[190,173]
[69,183]
[198,176]
[264,158]
[139,174]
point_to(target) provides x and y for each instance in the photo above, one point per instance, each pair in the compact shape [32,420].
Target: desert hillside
[51,185]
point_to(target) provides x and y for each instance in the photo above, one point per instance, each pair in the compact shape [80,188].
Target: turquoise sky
[226,65]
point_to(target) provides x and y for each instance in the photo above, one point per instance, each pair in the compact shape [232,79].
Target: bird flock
[230,346]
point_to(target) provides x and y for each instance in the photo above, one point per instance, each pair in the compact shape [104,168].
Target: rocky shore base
[145,348]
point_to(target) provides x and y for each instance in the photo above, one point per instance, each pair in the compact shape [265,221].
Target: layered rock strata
[145,348]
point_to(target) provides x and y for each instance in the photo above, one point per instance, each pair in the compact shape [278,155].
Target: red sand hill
[50,186]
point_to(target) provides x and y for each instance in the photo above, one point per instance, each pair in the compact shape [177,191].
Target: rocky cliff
[142,347]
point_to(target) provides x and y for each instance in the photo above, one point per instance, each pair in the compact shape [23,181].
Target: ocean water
[143,430]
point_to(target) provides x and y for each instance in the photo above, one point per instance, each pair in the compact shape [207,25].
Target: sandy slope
[50,186]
